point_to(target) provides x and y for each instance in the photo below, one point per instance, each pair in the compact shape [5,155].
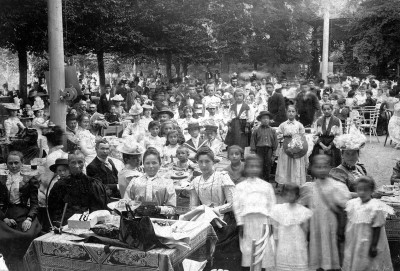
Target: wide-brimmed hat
[213,128]
[166,110]
[131,147]
[193,125]
[12,106]
[136,109]
[59,162]
[117,98]
[38,104]
[354,140]
[264,113]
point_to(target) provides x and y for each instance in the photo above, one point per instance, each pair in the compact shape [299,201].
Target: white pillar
[325,45]
[56,55]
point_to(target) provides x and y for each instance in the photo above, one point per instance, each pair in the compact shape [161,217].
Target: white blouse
[11,126]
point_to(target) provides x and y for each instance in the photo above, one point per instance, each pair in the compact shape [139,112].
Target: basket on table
[393,223]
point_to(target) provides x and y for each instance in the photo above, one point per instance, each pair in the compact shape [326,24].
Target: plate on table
[179,175]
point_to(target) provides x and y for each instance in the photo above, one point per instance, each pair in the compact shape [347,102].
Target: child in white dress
[366,246]
[290,221]
[252,204]
[153,140]
[171,146]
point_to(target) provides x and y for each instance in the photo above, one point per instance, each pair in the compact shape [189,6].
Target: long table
[61,253]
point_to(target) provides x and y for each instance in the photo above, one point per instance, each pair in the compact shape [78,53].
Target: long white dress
[394,125]
[292,249]
[87,143]
[362,217]
[290,170]
[252,204]
[323,247]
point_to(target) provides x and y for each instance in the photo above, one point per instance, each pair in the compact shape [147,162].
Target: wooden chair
[258,250]
[370,122]
[111,130]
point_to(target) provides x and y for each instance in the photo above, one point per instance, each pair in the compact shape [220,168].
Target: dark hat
[166,110]
[264,113]
[193,125]
[59,162]
[213,128]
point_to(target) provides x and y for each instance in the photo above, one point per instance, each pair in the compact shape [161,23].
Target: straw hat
[117,98]
[11,106]
[131,147]
[136,109]
[148,104]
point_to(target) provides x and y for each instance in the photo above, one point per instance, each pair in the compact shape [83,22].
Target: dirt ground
[379,160]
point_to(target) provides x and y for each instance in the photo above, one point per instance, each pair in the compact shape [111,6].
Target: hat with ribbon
[131,147]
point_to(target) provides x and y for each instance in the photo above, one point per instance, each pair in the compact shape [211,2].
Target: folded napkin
[204,214]
[176,235]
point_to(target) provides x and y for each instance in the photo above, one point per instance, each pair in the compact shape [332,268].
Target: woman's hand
[26,225]
[10,222]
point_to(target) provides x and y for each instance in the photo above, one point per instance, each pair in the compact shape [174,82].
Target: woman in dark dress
[328,127]
[81,192]
[239,125]
[18,222]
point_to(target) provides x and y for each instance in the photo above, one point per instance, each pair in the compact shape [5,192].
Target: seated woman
[135,127]
[18,222]
[215,189]
[349,170]
[81,192]
[87,140]
[156,193]
[12,125]
[131,154]
[328,127]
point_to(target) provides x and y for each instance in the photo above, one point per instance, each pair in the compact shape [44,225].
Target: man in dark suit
[103,169]
[276,105]
[307,105]
[105,100]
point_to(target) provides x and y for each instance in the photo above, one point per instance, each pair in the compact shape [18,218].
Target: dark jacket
[96,169]
[82,193]
[276,106]
[104,104]
[28,192]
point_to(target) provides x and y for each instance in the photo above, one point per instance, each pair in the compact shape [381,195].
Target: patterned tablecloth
[60,253]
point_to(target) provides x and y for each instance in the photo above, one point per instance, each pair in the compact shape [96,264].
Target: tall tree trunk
[23,73]
[315,55]
[177,65]
[185,67]
[102,73]
[255,65]
[168,64]
[225,67]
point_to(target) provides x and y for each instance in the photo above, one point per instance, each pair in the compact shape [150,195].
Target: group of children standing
[304,232]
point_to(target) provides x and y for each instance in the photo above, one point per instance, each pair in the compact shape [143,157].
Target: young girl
[183,163]
[327,198]
[236,168]
[153,140]
[239,126]
[252,204]
[146,118]
[366,245]
[188,118]
[290,222]
[171,146]
[290,170]
[166,127]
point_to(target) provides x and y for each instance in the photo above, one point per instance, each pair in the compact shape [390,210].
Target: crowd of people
[189,126]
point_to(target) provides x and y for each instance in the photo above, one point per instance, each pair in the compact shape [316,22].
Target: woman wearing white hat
[146,118]
[118,99]
[134,128]
[131,155]
[13,124]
